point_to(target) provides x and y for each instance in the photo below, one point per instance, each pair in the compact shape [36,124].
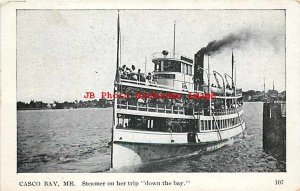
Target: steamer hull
[138,147]
[147,127]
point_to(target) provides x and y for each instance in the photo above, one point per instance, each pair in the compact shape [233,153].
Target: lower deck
[195,123]
[156,137]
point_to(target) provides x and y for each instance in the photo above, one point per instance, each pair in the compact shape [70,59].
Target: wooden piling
[274,130]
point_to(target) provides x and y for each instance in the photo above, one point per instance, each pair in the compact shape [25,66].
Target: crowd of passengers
[130,74]
[227,86]
[188,104]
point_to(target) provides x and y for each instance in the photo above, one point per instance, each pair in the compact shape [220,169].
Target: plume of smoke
[229,41]
[274,40]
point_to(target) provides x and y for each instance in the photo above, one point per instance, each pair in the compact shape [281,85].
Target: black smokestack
[233,40]
[198,69]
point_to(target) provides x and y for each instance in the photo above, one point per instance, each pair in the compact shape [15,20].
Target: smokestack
[198,68]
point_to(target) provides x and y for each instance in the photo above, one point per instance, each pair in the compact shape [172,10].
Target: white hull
[138,147]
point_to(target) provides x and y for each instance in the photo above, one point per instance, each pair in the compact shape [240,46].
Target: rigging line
[240,120]
[172,140]
[197,122]
[217,126]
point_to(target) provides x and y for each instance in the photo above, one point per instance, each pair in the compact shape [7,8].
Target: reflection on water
[76,140]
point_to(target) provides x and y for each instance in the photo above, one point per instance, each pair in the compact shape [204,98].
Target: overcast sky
[62,54]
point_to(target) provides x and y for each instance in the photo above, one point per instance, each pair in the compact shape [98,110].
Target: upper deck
[174,73]
[176,56]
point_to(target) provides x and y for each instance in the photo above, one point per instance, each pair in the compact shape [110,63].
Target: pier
[274,129]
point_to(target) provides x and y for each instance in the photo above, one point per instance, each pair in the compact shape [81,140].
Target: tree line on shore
[36,105]
[270,95]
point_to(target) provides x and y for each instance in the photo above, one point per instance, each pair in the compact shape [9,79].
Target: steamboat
[200,116]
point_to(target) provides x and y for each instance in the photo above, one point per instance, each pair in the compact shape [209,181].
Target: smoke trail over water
[274,40]
[229,41]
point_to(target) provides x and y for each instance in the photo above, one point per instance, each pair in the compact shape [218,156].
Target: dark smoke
[232,40]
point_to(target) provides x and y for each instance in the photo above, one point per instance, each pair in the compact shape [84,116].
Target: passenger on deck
[132,74]
[149,78]
[128,70]
[133,68]
[139,75]
[123,72]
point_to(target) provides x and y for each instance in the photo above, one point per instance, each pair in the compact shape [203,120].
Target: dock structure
[274,129]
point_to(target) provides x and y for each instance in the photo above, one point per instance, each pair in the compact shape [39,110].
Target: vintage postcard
[150,96]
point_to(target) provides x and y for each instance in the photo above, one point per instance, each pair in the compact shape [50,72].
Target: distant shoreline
[26,109]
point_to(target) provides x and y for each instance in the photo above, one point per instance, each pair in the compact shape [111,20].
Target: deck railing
[202,88]
[173,109]
[155,84]
[148,107]
[226,111]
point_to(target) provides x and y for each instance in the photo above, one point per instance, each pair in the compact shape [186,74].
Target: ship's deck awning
[159,87]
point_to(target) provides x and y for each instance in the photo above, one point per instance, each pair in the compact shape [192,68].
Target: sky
[61,54]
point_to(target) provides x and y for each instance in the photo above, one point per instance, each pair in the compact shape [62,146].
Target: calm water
[76,140]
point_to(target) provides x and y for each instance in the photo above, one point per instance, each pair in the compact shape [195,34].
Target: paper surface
[35,66]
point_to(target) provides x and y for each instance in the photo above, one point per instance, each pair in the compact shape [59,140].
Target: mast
[264,87]
[174,39]
[209,90]
[232,67]
[145,65]
[235,84]
[117,79]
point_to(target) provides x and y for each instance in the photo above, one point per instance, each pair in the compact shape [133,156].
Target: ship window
[182,67]
[209,125]
[150,124]
[202,125]
[172,66]
[157,66]
[190,70]
[122,122]
[165,76]
[186,69]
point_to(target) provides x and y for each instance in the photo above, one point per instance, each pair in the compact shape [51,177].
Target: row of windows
[173,66]
[155,124]
[218,124]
